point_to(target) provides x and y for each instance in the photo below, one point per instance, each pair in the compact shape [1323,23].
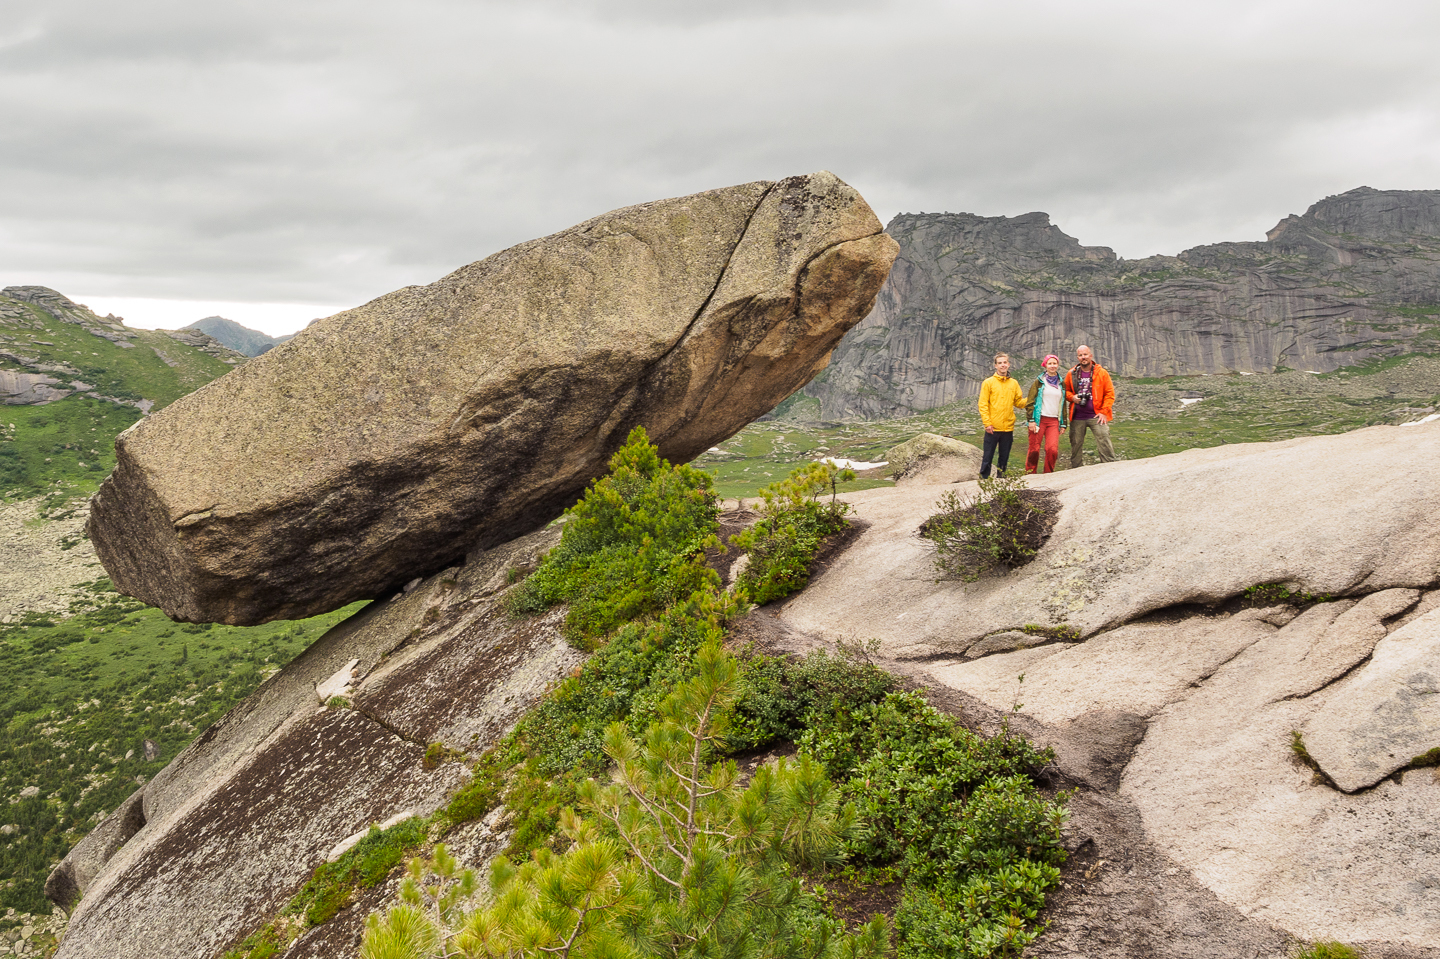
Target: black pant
[992,440]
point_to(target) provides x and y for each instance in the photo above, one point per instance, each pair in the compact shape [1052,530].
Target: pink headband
[1047,359]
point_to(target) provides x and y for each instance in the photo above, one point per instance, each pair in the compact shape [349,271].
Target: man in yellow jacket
[999,395]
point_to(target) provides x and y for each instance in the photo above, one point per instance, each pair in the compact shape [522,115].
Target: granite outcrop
[1274,663]
[387,441]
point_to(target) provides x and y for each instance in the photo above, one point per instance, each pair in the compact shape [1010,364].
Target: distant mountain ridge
[237,337]
[1357,276]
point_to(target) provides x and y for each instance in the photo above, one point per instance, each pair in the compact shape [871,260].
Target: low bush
[976,842]
[794,521]
[675,859]
[1000,526]
[779,698]
[633,545]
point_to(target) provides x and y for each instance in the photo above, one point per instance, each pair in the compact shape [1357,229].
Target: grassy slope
[67,447]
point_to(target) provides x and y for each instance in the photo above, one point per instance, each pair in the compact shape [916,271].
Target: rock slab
[1387,714]
[391,439]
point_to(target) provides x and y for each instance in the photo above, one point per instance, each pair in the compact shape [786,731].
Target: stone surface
[1207,696]
[1386,714]
[933,460]
[1145,535]
[219,840]
[391,439]
[1005,642]
[1325,290]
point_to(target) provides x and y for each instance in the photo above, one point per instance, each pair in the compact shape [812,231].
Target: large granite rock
[1349,279]
[388,440]
[930,459]
[1148,564]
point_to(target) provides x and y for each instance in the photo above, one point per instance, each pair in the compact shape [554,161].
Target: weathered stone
[393,438]
[74,874]
[1138,536]
[1005,642]
[933,460]
[1220,791]
[1386,714]
[1212,698]
[1325,290]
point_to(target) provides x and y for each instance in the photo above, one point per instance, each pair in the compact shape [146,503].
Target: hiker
[1092,407]
[1045,404]
[999,395]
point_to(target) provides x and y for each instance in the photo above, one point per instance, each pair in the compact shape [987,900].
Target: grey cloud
[331,152]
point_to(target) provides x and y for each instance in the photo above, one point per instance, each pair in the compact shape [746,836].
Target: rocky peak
[1378,214]
[58,305]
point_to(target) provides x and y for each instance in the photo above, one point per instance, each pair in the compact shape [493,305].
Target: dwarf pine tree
[678,860]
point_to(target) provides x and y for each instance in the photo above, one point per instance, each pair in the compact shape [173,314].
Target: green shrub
[334,883]
[633,545]
[1430,757]
[794,522]
[1273,594]
[1063,633]
[779,698]
[1329,949]
[977,843]
[1001,526]
[677,859]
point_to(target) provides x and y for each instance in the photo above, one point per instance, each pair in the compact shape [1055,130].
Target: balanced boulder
[386,441]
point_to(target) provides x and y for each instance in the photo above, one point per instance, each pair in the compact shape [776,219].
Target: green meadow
[83,694]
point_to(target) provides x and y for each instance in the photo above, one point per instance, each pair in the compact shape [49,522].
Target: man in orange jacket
[1092,407]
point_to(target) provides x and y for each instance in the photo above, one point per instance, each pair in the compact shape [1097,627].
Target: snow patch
[851,464]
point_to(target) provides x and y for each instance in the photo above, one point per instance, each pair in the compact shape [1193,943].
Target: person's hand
[1034,428]
[989,429]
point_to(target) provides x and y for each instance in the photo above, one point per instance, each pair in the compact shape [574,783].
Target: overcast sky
[275,160]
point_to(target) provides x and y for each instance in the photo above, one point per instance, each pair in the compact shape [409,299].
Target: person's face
[1083,357]
[1002,366]
[1052,366]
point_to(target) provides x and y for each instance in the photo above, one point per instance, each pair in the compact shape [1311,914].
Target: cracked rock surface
[391,439]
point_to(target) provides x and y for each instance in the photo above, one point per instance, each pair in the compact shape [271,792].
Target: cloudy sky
[276,160]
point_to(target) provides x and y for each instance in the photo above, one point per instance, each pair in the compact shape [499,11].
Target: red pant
[1050,436]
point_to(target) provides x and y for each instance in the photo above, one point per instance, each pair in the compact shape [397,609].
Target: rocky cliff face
[1357,276]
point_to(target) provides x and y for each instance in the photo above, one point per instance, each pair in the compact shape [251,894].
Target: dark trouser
[1101,429]
[999,438]
[1049,438]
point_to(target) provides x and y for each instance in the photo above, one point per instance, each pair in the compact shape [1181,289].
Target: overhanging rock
[386,441]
